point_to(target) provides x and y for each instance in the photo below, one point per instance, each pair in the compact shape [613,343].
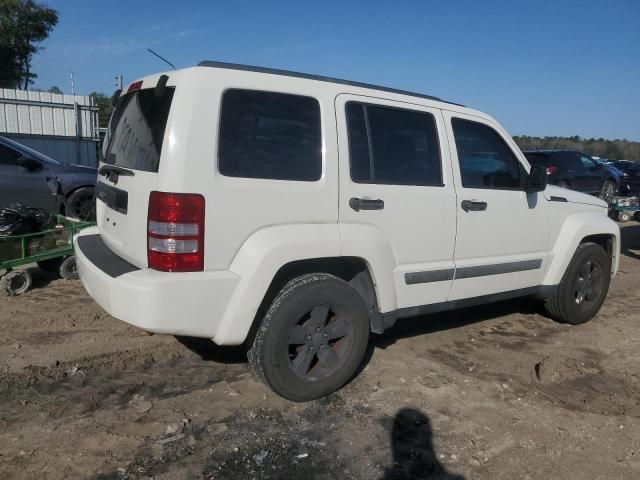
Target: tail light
[135,86]
[551,170]
[175,232]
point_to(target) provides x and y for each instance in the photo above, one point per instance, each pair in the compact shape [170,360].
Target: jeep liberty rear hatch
[129,170]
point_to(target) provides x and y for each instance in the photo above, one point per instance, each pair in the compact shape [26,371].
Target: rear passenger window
[270,135]
[393,146]
[485,159]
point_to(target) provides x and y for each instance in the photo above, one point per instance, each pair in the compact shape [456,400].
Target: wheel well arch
[610,179]
[605,240]
[353,270]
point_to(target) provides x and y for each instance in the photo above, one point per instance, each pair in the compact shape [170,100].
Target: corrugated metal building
[64,127]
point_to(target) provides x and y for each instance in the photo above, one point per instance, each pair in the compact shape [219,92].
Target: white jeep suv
[297,214]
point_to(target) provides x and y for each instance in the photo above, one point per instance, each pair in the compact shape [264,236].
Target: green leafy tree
[55,89]
[24,24]
[105,108]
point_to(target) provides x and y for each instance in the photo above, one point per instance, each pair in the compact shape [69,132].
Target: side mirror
[537,179]
[598,166]
[29,164]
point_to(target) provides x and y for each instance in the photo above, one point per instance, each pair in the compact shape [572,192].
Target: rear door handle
[366,204]
[473,205]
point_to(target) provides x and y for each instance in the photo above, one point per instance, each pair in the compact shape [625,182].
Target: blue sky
[540,67]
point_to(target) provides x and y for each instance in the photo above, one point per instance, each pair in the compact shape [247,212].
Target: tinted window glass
[540,159]
[270,135]
[571,161]
[393,146]
[8,156]
[485,159]
[587,162]
[136,130]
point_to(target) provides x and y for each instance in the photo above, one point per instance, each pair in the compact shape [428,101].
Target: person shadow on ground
[413,454]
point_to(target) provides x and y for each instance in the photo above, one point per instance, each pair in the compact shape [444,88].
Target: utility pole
[73,89]
[76,115]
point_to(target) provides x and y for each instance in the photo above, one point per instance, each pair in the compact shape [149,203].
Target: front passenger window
[485,159]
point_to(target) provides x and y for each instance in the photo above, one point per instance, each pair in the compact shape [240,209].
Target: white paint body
[254,227]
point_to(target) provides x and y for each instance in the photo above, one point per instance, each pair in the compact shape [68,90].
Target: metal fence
[64,127]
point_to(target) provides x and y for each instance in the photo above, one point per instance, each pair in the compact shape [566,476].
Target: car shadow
[630,239]
[414,456]
[210,352]
[207,350]
[438,322]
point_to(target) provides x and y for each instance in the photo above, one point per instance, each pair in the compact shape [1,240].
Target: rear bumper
[191,304]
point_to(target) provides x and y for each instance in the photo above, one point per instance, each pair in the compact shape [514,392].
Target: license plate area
[114,198]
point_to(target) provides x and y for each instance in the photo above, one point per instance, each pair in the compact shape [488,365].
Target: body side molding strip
[413,278]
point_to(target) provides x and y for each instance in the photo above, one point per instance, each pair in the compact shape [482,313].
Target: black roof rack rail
[320,78]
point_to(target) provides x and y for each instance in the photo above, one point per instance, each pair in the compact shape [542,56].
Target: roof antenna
[163,59]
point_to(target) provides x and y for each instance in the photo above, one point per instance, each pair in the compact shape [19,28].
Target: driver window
[8,156]
[485,159]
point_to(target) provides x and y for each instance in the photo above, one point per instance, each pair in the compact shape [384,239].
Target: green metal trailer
[51,249]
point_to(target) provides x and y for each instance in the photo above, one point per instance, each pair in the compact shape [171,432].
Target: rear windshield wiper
[111,172]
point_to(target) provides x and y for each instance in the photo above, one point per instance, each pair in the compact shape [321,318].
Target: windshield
[136,130]
[30,152]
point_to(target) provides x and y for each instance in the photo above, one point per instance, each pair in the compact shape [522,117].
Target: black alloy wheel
[319,343]
[588,284]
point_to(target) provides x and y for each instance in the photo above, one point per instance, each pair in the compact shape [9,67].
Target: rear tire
[16,282]
[81,204]
[313,338]
[583,287]
[563,184]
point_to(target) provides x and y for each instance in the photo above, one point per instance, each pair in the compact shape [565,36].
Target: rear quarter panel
[236,208]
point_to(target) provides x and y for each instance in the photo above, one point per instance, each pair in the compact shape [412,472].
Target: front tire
[313,338]
[624,217]
[583,287]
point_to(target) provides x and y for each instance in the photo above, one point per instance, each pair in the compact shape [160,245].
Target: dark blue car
[23,178]
[577,171]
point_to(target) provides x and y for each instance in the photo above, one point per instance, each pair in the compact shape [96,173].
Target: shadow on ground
[630,237]
[414,456]
[437,322]
[210,352]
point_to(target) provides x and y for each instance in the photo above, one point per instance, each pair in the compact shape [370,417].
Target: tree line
[600,147]
[24,24]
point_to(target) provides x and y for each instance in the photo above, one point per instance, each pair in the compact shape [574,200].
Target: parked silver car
[23,178]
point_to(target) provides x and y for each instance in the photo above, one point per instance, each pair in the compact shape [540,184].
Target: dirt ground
[498,392]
